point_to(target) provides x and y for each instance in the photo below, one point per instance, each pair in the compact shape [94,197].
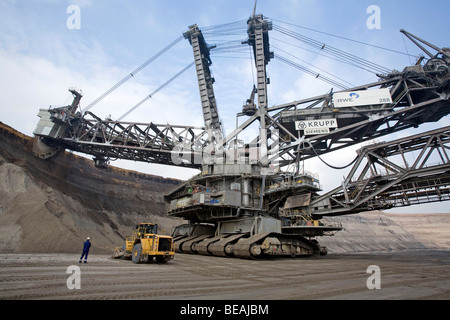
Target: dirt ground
[402,275]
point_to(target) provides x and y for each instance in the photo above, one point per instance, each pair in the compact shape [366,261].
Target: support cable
[325,55]
[375,68]
[334,51]
[311,72]
[154,92]
[285,52]
[344,38]
[131,75]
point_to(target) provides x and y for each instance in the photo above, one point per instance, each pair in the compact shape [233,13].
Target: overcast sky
[45,49]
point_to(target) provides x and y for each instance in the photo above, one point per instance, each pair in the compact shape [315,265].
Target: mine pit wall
[378,231]
[52,205]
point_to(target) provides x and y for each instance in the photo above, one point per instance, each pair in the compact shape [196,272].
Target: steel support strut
[378,182]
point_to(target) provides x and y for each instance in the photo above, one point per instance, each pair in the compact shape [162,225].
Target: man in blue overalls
[86,247]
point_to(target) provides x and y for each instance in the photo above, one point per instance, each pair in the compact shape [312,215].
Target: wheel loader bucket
[118,253]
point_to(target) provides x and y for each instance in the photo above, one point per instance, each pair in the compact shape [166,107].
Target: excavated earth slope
[380,231]
[51,206]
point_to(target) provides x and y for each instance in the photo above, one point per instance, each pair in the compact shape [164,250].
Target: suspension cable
[154,92]
[324,55]
[345,56]
[344,38]
[131,75]
[310,72]
[285,52]
[333,51]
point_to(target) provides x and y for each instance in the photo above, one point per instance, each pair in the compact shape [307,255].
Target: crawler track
[244,246]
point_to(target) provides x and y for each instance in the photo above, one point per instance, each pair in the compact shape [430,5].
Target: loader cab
[146,228]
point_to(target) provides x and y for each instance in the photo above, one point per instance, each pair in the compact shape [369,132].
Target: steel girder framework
[417,98]
[205,81]
[420,94]
[147,142]
[377,180]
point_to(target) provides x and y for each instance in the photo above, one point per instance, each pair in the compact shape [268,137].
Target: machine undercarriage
[247,216]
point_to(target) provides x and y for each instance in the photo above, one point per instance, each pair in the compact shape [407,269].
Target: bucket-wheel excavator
[252,199]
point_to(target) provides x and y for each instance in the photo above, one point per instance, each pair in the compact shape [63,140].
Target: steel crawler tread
[203,247]
[223,247]
[248,248]
[190,245]
[180,243]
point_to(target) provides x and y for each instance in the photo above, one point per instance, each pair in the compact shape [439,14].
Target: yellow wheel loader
[146,245]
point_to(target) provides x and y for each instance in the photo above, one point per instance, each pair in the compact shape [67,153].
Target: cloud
[31,85]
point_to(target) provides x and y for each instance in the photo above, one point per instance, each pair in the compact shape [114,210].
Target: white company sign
[362,98]
[312,127]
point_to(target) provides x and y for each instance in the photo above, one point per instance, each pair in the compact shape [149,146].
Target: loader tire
[136,255]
